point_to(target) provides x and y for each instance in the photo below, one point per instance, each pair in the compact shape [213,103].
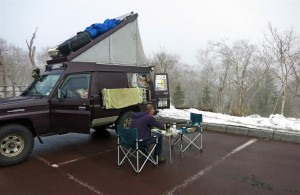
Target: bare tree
[166,62]
[282,48]
[14,69]
[19,71]
[247,77]
[42,56]
[207,75]
[31,49]
[234,62]
[3,49]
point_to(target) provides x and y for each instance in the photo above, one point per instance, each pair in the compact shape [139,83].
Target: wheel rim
[11,145]
[127,123]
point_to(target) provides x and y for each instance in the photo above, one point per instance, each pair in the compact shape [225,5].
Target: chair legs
[136,157]
[190,142]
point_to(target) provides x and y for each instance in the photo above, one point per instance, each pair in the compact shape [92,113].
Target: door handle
[92,101]
[82,107]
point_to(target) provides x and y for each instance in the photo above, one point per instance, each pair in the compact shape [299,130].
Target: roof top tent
[121,45]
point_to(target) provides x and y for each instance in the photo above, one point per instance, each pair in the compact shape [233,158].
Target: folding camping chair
[133,149]
[194,129]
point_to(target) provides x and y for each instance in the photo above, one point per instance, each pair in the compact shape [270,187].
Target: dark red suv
[69,98]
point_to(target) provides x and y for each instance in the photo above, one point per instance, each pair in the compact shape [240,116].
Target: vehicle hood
[22,102]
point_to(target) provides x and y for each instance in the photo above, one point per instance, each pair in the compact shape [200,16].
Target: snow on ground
[274,122]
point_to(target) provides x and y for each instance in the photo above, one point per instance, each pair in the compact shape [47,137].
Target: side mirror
[36,73]
[60,94]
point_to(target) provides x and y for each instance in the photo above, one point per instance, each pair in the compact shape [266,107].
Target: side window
[138,80]
[76,86]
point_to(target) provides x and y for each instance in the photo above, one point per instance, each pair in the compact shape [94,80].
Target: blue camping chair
[192,134]
[134,150]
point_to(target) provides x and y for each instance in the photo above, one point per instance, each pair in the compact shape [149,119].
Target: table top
[172,132]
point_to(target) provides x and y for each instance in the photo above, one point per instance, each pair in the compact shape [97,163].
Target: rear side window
[112,80]
[140,80]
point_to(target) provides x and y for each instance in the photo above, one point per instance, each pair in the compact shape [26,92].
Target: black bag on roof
[74,43]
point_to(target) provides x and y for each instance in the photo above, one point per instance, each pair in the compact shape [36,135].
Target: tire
[16,144]
[101,127]
[125,120]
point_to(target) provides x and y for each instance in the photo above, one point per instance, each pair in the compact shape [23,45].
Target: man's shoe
[161,159]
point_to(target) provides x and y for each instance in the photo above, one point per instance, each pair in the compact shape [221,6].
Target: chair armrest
[149,138]
[187,131]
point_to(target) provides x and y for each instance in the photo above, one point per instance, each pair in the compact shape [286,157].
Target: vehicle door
[71,108]
[161,88]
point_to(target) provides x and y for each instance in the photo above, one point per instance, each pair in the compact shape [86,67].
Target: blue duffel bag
[97,29]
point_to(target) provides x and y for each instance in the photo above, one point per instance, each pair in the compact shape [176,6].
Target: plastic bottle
[174,127]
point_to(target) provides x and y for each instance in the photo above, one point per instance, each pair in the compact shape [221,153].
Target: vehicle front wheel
[16,144]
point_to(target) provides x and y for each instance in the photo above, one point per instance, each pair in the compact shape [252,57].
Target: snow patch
[274,122]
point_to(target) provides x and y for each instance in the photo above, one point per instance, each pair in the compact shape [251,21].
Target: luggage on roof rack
[98,29]
[74,43]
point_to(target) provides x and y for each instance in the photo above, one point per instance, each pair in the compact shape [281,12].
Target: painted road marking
[86,185]
[198,175]
[82,158]
[44,160]
[71,177]
[73,160]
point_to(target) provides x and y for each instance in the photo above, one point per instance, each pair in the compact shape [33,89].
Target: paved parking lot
[86,164]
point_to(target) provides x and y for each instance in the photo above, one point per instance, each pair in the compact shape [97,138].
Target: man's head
[149,109]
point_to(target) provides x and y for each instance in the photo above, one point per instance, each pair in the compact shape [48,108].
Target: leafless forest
[235,77]
[238,77]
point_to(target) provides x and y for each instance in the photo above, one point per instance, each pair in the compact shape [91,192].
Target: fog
[181,27]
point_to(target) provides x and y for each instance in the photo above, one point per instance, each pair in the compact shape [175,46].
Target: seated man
[143,121]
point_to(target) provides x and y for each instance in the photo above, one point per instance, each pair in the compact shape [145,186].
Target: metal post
[170,147]
[137,156]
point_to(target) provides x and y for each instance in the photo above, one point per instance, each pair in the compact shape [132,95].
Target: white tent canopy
[123,47]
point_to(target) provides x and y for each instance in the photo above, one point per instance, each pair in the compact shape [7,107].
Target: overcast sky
[181,26]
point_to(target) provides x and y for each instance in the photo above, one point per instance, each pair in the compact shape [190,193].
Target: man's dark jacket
[143,122]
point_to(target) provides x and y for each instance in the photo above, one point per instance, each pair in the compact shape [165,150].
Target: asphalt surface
[87,164]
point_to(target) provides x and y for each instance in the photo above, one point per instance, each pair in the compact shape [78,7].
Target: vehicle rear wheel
[16,144]
[125,120]
[101,127]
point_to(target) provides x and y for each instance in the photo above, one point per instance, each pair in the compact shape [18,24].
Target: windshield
[44,85]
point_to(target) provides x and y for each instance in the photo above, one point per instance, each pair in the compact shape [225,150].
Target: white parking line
[71,177]
[198,175]
[73,160]
[82,158]
[44,160]
[86,185]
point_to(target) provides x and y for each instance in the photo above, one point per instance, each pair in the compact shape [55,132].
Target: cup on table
[174,126]
[168,127]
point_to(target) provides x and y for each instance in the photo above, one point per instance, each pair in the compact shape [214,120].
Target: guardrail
[269,134]
[9,91]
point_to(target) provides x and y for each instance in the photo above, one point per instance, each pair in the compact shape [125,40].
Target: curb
[275,135]
[251,132]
